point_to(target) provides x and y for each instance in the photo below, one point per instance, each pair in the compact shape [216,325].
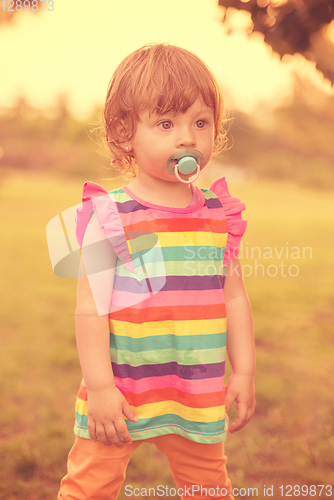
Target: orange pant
[97,472]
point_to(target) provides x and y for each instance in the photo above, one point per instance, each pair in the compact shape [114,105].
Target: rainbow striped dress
[167,315]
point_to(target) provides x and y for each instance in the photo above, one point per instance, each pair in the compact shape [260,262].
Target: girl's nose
[186,139]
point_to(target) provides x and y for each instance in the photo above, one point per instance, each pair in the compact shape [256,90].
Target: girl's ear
[122,135]
[121,130]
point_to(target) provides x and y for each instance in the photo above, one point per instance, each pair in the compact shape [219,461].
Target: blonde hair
[158,78]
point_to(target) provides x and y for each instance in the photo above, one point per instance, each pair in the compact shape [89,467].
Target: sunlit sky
[75,48]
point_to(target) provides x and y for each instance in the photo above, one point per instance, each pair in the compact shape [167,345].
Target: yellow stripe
[197,238]
[172,239]
[213,414]
[178,328]
[144,242]
[81,406]
[151,410]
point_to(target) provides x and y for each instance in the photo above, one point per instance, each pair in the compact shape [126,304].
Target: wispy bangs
[172,85]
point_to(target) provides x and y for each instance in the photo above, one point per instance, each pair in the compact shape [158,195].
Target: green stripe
[164,421]
[170,420]
[136,436]
[209,432]
[186,253]
[159,342]
[172,268]
[193,252]
[198,438]
[191,268]
[209,194]
[156,268]
[190,358]
[119,196]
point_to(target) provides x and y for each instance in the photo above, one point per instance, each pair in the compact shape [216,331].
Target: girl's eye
[200,123]
[166,125]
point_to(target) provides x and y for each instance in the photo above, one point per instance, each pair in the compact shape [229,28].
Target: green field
[290,439]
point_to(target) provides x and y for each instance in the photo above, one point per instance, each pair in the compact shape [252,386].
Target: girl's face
[158,137]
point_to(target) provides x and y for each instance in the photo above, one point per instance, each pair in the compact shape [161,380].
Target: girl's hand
[241,389]
[105,410]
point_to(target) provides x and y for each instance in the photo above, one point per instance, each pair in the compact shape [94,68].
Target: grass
[290,439]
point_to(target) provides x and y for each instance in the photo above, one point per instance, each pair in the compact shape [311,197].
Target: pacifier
[186,161]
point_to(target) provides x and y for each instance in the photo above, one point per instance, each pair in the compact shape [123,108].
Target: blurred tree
[7,16]
[293,142]
[62,107]
[291,26]
[52,139]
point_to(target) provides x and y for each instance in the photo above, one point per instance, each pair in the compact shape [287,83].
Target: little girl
[161,279]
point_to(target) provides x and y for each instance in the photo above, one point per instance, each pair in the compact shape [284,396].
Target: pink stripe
[184,298]
[123,300]
[204,386]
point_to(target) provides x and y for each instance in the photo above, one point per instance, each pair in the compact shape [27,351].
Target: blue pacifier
[186,161]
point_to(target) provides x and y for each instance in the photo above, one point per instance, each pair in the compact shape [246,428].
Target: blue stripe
[168,420]
[160,342]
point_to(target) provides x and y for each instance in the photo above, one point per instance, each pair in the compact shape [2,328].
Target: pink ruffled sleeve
[236,225]
[96,199]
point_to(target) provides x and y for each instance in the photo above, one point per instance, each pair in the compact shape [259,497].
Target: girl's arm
[106,404]
[240,347]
